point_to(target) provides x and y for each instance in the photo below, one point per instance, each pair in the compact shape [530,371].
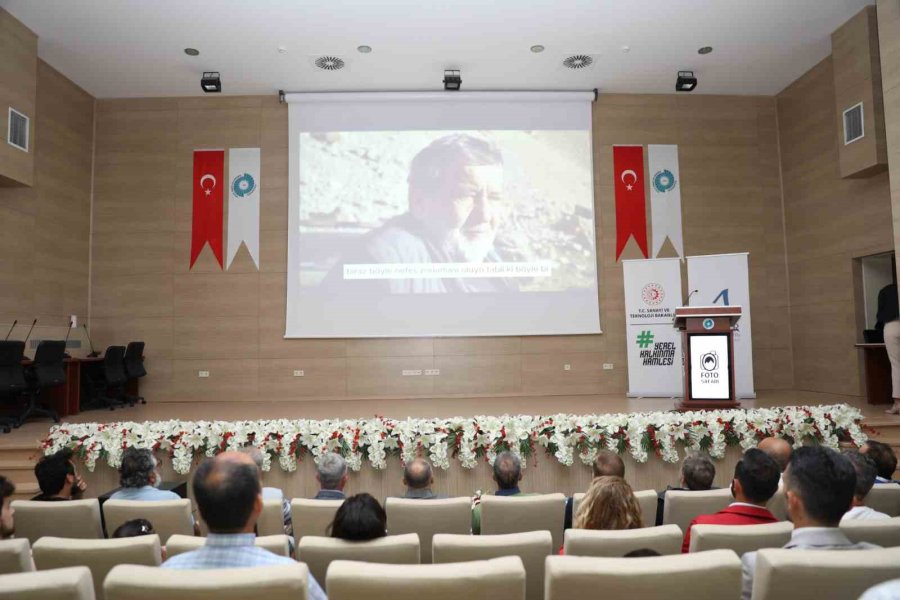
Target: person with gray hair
[332,477]
[139,477]
[507,475]
[865,480]
[272,493]
[697,475]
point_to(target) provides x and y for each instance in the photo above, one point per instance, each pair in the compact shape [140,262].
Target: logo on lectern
[709,361]
[709,324]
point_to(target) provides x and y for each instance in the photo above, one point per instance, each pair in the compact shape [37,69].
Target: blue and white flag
[665,197]
[243,202]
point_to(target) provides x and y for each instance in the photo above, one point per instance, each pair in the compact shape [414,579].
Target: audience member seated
[885,460]
[865,480]
[756,477]
[57,478]
[779,449]
[606,464]
[273,493]
[359,519]
[332,477]
[609,503]
[139,478]
[507,475]
[134,528]
[7,526]
[418,478]
[228,492]
[819,485]
[889,590]
[697,474]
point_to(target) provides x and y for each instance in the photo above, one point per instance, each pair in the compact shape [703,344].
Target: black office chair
[134,368]
[107,385]
[47,371]
[12,376]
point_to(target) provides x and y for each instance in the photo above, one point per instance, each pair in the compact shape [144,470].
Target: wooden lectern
[707,345]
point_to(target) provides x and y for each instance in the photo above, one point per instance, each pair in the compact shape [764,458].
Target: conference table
[877,369]
[65,399]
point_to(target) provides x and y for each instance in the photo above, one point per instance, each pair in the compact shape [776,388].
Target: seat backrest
[881,532]
[715,574]
[70,518]
[15,556]
[518,514]
[134,360]
[740,538]
[179,544]
[429,517]
[282,582]
[12,374]
[74,583]
[271,520]
[114,365]
[682,506]
[533,548]
[665,539]
[647,499]
[48,363]
[100,556]
[885,497]
[319,552]
[815,574]
[167,516]
[495,579]
[312,517]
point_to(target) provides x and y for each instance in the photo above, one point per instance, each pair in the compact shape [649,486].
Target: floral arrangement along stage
[466,440]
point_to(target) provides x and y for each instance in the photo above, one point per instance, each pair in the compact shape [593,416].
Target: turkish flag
[208,185]
[631,206]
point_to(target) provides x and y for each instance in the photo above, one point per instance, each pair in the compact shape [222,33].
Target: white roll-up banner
[652,292]
[724,280]
[665,197]
[243,202]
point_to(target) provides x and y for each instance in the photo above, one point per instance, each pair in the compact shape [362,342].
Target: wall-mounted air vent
[853,124]
[17,132]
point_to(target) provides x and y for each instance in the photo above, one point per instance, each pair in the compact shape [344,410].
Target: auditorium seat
[312,517]
[519,514]
[134,367]
[133,582]
[100,556]
[816,574]
[665,539]
[15,556]
[179,544]
[495,579]
[74,583]
[167,516]
[682,506]
[648,499]
[777,505]
[271,520]
[318,552]
[532,547]
[715,574]
[740,538]
[71,519]
[109,377]
[427,518]
[884,533]
[45,372]
[885,497]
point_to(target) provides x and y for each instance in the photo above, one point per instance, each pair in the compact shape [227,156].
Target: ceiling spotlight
[686,82]
[282,50]
[537,48]
[210,82]
[626,49]
[452,81]
[192,52]
[705,50]
[364,49]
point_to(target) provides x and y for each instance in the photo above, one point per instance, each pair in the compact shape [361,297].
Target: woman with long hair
[608,504]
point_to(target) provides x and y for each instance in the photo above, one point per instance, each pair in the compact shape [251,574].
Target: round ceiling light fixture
[330,63]
[705,50]
[281,50]
[364,49]
[578,61]
[537,48]
[192,52]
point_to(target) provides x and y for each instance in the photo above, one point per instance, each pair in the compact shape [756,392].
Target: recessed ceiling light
[192,52]
[705,50]
[626,49]
[364,49]
[537,48]
[282,50]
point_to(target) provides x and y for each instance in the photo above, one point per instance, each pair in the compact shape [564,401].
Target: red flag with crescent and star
[207,222]
[631,205]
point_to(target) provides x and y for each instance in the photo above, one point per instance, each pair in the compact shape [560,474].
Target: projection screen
[441,214]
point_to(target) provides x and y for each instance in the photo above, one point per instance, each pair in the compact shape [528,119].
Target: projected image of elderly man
[456,208]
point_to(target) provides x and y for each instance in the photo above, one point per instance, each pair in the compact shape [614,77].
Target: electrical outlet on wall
[298,373]
[567,367]
[202,373]
[607,366]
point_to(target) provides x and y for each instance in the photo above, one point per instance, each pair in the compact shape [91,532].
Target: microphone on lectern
[687,302]
[33,323]
[93,353]
[10,330]
[66,342]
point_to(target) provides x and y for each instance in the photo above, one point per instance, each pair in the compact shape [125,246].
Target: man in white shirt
[819,484]
[139,478]
[865,479]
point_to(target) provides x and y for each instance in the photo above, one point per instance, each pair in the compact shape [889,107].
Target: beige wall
[45,229]
[232,323]
[828,222]
[18,84]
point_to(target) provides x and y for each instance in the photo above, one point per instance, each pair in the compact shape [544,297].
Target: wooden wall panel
[889,40]
[18,89]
